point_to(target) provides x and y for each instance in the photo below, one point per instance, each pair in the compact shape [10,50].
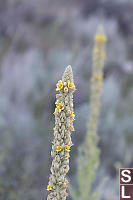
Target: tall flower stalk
[89,153]
[64,117]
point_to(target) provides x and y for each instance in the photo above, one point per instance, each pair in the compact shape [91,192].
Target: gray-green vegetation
[37,40]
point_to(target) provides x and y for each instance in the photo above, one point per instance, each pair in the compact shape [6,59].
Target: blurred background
[38,39]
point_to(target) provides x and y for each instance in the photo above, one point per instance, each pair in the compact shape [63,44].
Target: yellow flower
[100,38]
[49,187]
[58,148]
[60,107]
[66,157]
[98,77]
[72,116]
[65,185]
[59,85]
[67,148]
[71,85]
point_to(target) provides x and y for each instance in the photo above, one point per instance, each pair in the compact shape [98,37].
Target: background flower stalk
[88,160]
[64,117]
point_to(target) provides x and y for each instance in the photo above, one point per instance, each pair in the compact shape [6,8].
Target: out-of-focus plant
[64,118]
[88,160]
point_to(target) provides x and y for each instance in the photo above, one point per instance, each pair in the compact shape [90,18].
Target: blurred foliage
[37,39]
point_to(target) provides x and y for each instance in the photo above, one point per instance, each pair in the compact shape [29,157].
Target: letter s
[125,173]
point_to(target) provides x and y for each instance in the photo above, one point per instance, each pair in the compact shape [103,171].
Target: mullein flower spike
[64,117]
[89,155]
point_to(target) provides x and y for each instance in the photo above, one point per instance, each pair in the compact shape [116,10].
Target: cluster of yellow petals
[58,148]
[67,148]
[49,187]
[71,85]
[98,77]
[59,85]
[100,38]
[72,116]
[60,107]
[65,185]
